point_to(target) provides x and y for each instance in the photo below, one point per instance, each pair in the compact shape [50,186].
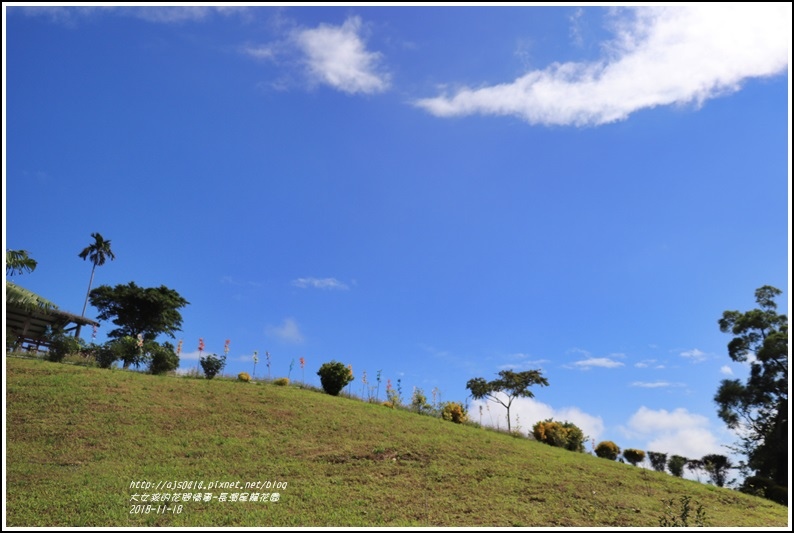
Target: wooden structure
[30,326]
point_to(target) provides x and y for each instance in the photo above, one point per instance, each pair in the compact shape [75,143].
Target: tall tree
[511,384]
[98,252]
[138,310]
[758,408]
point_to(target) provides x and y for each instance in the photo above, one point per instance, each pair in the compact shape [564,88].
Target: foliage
[62,344]
[281,382]
[243,376]
[162,358]
[138,310]
[658,460]
[560,434]
[676,464]
[19,262]
[512,384]
[673,517]
[606,449]
[454,412]
[758,408]
[717,466]
[634,456]
[334,376]
[419,401]
[212,364]
[765,488]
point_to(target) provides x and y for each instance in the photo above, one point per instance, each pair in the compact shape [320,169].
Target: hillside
[77,438]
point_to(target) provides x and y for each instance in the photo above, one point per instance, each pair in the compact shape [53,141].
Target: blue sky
[436,193]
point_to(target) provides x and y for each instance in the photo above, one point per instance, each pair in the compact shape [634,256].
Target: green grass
[77,437]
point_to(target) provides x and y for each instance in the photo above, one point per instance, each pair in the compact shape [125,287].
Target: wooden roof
[30,325]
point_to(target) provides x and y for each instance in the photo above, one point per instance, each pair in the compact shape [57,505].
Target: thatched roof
[30,325]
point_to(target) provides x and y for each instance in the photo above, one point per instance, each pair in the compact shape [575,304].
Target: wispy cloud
[694,355]
[660,56]
[648,363]
[70,15]
[229,280]
[287,331]
[337,56]
[319,283]
[603,362]
[655,384]
[726,370]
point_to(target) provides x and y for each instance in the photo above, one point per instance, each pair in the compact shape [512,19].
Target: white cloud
[661,56]
[337,56]
[531,411]
[726,370]
[319,283]
[673,432]
[654,384]
[288,331]
[603,362]
[694,355]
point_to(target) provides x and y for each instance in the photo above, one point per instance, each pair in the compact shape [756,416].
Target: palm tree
[98,252]
[19,262]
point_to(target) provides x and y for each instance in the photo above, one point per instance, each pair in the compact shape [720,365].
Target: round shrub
[212,364]
[454,412]
[281,382]
[243,376]
[334,377]
[561,434]
[607,450]
[634,456]
[162,358]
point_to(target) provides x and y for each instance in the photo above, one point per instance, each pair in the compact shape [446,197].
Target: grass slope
[78,437]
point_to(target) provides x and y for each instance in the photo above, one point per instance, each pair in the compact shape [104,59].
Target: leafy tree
[334,377]
[634,456]
[717,467]
[658,460]
[758,408]
[212,364]
[98,252]
[512,384]
[162,357]
[138,310]
[676,464]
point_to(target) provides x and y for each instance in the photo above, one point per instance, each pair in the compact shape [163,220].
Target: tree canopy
[138,310]
[512,384]
[758,408]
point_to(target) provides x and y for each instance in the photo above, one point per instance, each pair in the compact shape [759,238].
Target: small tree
[419,401]
[607,449]
[717,467]
[334,376]
[634,456]
[563,435]
[512,384]
[676,464]
[212,364]
[658,460]
[162,358]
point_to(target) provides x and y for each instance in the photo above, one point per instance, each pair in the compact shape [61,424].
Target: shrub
[334,377]
[62,345]
[658,460]
[563,435]
[212,364]
[162,358]
[634,456]
[419,401]
[673,517]
[243,376]
[454,412]
[676,464]
[125,349]
[281,382]
[607,450]
[765,488]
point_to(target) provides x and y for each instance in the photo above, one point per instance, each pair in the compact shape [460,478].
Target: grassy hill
[78,437]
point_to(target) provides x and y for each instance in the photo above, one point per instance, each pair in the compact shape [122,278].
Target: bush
[162,358]
[334,377]
[243,376]
[454,412]
[563,435]
[281,382]
[62,345]
[419,401]
[765,488]
[634,456]
[607,450]
[212,364]
[676,464]
[658,460]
